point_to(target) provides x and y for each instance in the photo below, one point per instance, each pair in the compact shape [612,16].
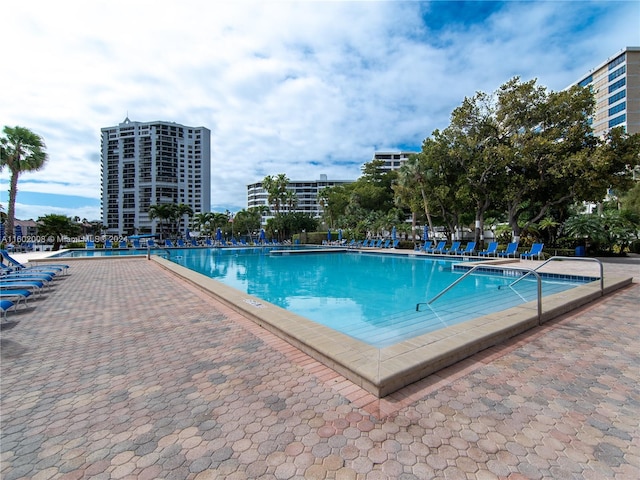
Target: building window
[618,120]
[617,108]
[586,81]
[617,73]
[620,83]
[616,62]
[614,98]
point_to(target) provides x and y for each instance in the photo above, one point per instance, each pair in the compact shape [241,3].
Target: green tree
[276,188]
[163,212]
[21,150]
[57,227]
[203,223]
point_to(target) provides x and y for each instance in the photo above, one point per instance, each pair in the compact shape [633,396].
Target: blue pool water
[368,296]
[371,297]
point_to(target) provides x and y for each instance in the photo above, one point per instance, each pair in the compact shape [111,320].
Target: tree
[203,222]
[57,227]
[21,150]
[163,212]
[548,148]
[276,188]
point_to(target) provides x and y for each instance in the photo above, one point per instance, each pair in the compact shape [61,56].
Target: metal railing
[560,258]
[493,267]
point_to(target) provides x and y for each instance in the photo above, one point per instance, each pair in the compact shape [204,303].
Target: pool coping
[386,370]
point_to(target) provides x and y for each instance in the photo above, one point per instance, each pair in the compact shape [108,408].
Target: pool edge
[404,363]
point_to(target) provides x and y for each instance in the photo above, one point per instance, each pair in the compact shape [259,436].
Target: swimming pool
[370,297]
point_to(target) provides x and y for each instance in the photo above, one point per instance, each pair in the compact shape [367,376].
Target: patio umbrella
[329,235]
[340,235]
[394,234]
[425,233]
[219,235]
[18,230]
[1,230]
[263,237]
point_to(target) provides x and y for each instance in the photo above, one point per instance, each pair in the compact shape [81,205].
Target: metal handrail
[559,257]
[491,267]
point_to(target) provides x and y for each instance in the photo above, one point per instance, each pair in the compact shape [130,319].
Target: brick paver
[124,371]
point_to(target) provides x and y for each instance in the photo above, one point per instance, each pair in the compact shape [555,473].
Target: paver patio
[123,370]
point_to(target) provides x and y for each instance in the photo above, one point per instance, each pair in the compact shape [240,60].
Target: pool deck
[125,370]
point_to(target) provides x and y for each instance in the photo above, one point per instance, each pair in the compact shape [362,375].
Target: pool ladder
[527,271]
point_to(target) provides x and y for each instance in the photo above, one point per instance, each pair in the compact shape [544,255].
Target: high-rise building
[392,160]
[306,192]
[152,163]
[615,84]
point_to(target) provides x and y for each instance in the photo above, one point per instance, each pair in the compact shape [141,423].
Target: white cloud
[302,88]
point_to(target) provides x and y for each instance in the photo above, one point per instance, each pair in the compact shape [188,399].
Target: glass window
[617,108]
[614,98]
[586,81]
[617,73]
[616,61]
[620,83]
[618,120]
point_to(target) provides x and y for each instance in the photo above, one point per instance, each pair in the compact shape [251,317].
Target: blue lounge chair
[386,243]
[123,244]
[455,246]
[511,251]
[438,248]
[136,243]
[491,251]
[395,243]
[90,245]
[193,242]
[208,242]
[5,305]
[15,295]
[180,243]
[51,267]
[34,286]
[536,251]
[108,244]
[168,243]
[426,246]
[151,243]
[468,250]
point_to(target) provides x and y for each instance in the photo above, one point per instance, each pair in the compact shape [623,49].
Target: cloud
[302,88]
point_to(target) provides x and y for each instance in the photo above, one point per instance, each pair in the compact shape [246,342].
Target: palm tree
[21,150]
[161,211]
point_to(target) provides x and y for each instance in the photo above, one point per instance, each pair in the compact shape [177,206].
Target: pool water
[371,297]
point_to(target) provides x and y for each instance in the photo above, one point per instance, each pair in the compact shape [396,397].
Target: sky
[302,88]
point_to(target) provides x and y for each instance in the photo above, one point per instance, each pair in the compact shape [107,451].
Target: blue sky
[301,88]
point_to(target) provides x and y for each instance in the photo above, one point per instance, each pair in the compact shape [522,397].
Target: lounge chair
[208,242]
[168,243]
[151,243]
[426,246]
[136,243]
[193,242]
[15,295]
[438,248]
[511,251]
[491,251]
[386,243]
[90,245]
[453,249]
[468,250]
[5,305]
[123,244]
[51,267]
[108,244]
[536,251]
[395,243]
[34,286]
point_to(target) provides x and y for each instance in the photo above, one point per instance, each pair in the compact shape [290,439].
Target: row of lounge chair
[179,243]
[18,281]
[492,250]
[373,243]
